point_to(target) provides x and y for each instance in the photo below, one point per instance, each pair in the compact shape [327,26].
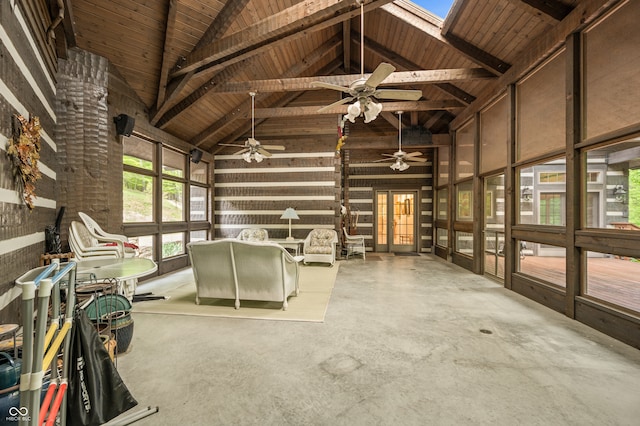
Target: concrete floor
[406,341]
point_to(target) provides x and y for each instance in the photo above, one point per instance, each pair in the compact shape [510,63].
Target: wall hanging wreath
[24,151]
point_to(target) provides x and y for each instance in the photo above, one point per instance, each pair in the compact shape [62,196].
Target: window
[138,181]
[165,198]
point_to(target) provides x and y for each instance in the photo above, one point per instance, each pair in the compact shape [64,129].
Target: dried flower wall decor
[24,151]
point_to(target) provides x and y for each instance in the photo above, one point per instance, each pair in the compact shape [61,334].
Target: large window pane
[145,246]
[172,201]
[198,203]
[173,162]
[543,194]
[613,279]
[138,152]
[611,49]
[541,110]
[464,243]
[137,197]
[172,245]
[443,165]
[199,172]
[613,186]
[442,204]
[464,201]
[494,132]
[442,237]
[464,151]
[543,261]
[197,236]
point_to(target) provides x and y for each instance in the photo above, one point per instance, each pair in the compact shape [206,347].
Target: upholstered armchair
[253,234]
[354,244]
[320,246]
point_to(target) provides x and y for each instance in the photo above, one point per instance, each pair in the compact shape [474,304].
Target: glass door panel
[403,230]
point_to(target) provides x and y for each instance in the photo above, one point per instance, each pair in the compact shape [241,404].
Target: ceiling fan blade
[330,86]
[340,102]
[404,95]
[384,159]
[231,144]
[252,142]
[413,154]
[383,71]
[242,151]
[274,147]
[264,152]
[389,155]
[416,159]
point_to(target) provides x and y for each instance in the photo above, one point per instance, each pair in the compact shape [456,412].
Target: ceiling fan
[363,90]
[400,158]
[252,148]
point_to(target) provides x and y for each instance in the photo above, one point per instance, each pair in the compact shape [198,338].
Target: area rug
[316,284]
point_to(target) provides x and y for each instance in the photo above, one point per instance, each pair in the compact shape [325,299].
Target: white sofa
[243,270]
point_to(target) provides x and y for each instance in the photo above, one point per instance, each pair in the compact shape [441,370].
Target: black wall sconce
[620,193]
[527,194]
[196,155]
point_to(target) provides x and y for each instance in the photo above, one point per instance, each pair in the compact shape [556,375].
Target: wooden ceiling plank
[475,54]
[540,49]
[398,78]
[396,59]
[346,45]
[222,78]
[217,28]
[285,26]
[390,107]
[551,11]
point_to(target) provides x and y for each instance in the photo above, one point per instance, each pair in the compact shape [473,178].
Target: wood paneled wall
[28,88]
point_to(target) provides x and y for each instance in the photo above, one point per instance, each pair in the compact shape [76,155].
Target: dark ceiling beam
[390,107]
[221,126]
[398,78]
[548,10]
[402,62]
[218,27]
[169,34]
[285,26]
[346,45]
[212,86]
[432,26]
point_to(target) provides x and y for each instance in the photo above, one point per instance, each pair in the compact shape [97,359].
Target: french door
[396,221]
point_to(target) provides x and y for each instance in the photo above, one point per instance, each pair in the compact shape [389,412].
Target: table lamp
[289,213]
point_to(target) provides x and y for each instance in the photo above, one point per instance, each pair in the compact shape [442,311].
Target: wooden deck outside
[613,280]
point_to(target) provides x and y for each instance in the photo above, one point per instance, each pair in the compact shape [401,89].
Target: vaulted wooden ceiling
[194,62]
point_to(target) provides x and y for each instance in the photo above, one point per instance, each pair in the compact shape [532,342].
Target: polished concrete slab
[406,341]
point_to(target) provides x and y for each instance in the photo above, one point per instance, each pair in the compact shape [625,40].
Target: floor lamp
[289,213]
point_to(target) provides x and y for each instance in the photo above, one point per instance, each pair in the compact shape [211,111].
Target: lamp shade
[289,213]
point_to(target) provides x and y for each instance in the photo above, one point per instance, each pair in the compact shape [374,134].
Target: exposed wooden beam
[431,26]
[212,86]
[434,119]
[549,10]
[218,27]
[169,34]
[346,45]
[390,107]
[395,59]
[479,56]
[221,126]
[398,78]
[283,27]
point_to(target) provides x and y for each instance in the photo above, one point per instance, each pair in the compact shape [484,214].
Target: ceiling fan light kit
[365,90]
[253,149]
